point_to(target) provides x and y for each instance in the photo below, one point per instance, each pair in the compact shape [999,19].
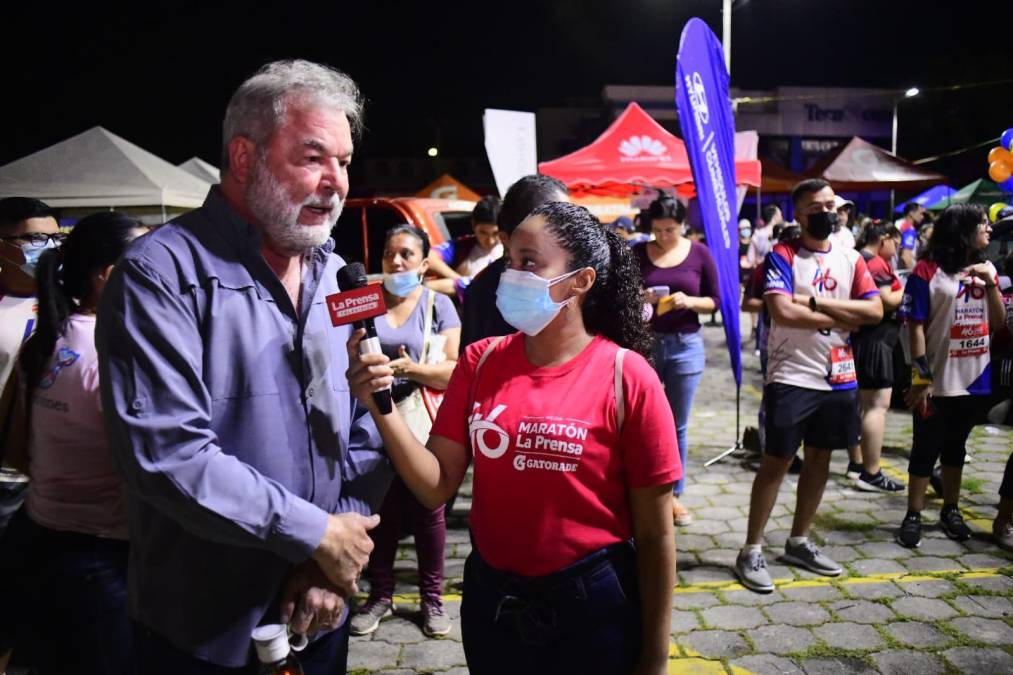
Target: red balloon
[999,171]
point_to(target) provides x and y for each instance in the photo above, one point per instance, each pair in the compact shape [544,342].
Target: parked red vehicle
[359,233]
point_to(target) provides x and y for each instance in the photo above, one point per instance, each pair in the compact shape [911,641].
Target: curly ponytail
[614,305]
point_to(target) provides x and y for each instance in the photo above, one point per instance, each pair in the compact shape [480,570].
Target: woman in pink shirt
[66,550]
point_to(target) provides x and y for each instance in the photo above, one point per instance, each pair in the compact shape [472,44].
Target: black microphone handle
[371,345]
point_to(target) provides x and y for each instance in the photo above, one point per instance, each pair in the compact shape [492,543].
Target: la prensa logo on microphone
[356,305]
[642,148]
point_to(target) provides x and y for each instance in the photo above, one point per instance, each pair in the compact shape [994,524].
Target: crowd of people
[192,450]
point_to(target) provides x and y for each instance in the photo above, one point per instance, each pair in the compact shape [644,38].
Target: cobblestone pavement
[946,607]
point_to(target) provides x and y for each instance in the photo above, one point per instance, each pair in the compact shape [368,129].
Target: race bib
[968,340]
[842,365]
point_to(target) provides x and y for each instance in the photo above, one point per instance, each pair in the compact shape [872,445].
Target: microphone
[351,278]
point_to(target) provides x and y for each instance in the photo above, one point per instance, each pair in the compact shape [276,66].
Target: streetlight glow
[913,91]
[432,152]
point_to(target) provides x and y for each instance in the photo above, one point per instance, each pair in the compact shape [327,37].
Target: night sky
[160,74]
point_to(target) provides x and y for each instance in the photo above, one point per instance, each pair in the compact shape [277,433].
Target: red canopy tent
[635,152]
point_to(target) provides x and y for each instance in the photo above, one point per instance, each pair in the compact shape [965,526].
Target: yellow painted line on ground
[899,577]
[684,661]
[783,584]
[974,519]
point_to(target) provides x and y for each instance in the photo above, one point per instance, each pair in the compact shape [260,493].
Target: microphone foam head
[352,275]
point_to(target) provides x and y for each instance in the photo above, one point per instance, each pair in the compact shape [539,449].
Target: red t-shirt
[882,274]
[552,472]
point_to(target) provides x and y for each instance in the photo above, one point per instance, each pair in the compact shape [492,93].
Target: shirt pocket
[248,343]
[326,350]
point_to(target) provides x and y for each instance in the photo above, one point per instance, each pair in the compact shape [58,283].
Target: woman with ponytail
[573,557]
[68,544]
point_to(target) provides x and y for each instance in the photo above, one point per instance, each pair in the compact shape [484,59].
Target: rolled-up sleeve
[158,414]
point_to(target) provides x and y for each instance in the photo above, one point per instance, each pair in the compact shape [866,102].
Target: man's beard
[270,203]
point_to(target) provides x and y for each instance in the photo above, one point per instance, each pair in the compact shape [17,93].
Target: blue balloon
[1007,185]
[1006,140]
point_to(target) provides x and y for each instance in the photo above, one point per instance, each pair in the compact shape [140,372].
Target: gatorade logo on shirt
[552,469]
[546,439]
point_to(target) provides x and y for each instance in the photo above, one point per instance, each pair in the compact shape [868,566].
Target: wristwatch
[812,303]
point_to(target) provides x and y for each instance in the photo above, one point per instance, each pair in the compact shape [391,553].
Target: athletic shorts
[874,364]
[820,419]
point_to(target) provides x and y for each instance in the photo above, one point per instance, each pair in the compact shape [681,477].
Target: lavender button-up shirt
[231,420]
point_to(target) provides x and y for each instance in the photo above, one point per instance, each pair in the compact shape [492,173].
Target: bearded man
[251,472]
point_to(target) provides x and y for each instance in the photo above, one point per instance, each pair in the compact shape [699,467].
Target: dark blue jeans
[582,619]
[67,595]
[327,655]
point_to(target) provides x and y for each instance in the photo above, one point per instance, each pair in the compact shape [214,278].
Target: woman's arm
[700,305]
[654,535]
[444,286]
[891,299]
[435,375]
[707,301]
[996,310]
[751,305]
[432,473]
[438,267]
[919,391]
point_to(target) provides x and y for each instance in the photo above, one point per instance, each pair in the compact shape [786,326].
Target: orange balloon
[1000,155]
[1000,171]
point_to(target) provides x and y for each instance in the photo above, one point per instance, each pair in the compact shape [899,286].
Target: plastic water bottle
[275,652]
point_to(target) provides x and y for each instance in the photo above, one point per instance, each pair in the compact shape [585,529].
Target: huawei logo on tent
[641,148]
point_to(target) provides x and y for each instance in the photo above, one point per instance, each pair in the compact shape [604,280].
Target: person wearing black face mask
[817,294]
[819,225]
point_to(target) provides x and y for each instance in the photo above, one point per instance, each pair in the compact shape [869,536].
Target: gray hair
[261,103]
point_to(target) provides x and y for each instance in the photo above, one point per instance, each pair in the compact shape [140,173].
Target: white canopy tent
[98,169]
[203,170]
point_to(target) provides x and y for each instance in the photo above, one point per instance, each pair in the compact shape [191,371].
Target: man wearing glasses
[27,228]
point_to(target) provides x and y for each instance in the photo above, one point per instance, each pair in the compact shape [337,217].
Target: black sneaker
[936,480]
[953,524]
[878,483]
[854,470]
[910,532]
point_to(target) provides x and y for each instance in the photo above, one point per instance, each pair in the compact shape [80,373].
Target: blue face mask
[402,284]
[32,254]
[524,301]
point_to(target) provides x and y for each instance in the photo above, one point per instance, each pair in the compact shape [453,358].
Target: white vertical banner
[747,144]
[510,145]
